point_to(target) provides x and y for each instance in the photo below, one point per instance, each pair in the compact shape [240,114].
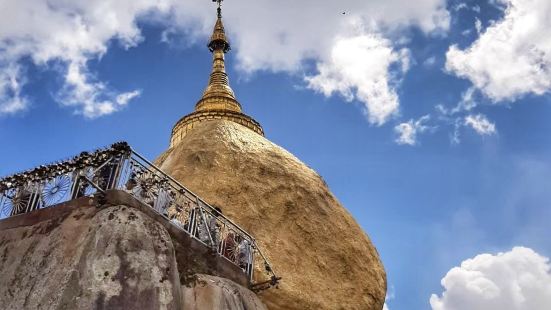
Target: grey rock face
[208,292]
[79,256]
[116,258]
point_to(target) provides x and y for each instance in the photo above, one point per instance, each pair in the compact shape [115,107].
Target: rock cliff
[113,259]
[325,258]
[82,255]
[208,292]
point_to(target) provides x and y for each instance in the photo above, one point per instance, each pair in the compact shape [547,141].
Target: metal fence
[120,167]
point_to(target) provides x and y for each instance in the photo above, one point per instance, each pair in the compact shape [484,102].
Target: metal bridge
[119,167]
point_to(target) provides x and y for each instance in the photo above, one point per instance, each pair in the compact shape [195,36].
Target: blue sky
[449,192]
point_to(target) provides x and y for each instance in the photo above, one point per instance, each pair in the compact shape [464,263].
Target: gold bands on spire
[218,94]
[218,100]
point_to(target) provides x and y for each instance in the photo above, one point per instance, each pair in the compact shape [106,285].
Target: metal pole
[264,258]
[206,225]
[94,185]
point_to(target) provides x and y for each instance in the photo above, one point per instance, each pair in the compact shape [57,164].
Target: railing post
[75,183]
[123,172]
[251,266]
[206,225]
[34,195]
[116,171]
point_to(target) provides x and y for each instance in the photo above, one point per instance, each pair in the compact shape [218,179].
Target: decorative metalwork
[17,201]
[121,168]
[56,190]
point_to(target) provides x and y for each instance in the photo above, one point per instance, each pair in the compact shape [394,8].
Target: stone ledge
[191,255]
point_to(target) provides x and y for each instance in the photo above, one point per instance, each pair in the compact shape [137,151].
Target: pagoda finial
[218,38]
[218,100]
[219,10]
[218,94]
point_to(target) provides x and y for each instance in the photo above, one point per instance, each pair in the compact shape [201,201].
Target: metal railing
[120,167]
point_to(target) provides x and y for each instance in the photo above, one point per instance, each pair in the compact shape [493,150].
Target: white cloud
[512,57]
[462,116]
[455,136]
[515,280]
[457,120]
[389,296]
[64,36]
[464,6]
[11,99]
[460,6]
[68,34]
[407,132]
[92,99]
[478,25]
[310,30]
[334,41]
[480,124]
[123,99]
[467,102]
[466,32]
[359,68]
[429,62]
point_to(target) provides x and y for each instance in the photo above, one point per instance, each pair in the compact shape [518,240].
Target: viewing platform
[208,241]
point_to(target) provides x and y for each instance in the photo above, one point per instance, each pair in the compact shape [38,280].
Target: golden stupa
[218,100]
[324,257]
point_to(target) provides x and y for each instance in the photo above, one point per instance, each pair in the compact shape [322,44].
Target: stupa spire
[218,101]
[218,94]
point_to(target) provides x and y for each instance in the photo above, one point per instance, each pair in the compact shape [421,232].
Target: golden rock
[324,257]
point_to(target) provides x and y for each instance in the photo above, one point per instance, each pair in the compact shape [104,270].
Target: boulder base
[118,255]
[209,292]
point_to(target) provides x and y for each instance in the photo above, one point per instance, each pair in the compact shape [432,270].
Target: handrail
[191,192]
[120,167]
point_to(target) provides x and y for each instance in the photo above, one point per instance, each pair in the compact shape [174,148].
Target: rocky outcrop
[325,258]
[114,258]
[208,292]
[118,255]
